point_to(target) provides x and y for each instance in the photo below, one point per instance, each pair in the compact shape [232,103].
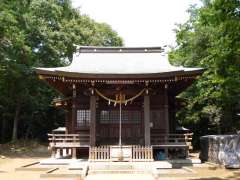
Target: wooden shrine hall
[120,103]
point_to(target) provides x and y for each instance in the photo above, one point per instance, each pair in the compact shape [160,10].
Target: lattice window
[83,117]
[156,117]
[112,116]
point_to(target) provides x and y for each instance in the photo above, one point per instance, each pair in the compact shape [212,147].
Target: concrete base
[160,164]
[185,161]
[53,161]
[82,167]
[127,167]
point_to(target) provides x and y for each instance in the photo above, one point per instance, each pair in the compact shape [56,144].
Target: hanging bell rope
[119,101]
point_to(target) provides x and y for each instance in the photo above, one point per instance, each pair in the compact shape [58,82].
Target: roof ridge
[118,49]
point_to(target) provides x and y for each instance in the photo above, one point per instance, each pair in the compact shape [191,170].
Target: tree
[37,33]
[211,39]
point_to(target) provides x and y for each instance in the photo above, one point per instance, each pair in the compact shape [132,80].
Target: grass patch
[23,148]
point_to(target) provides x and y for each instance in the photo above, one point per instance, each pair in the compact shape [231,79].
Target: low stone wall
[221,149]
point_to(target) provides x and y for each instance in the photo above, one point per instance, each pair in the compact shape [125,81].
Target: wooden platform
[63,145]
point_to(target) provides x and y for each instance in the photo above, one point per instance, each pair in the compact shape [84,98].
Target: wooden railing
[66,144]
[161,139]
[172,141]
[105,153]
[101,153]
[142,153]
[68,140]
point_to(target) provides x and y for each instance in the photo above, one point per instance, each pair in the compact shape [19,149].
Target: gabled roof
[119,61]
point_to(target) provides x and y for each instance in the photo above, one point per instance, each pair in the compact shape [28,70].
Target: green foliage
[39,33]
[211,39]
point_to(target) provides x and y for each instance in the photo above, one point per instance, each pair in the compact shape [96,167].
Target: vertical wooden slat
[147,120]
[74,110]
[139,152]
[101,152]
[151,153]
[53,153]
[104,157]
[90,154]
[106,150]
[74,153]
[94,153]
[92,120]
[136,152]
[97,150]
[147,151]
[166,116]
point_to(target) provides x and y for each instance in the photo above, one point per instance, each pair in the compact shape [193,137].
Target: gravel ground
[205,172]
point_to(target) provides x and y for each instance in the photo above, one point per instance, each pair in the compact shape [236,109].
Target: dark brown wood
[74,115]
[74,109]
[166,116]
[91,76]
[66,122]
[93,120]
[175,87]
[147,120]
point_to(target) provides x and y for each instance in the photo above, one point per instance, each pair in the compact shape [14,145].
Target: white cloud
[139,22]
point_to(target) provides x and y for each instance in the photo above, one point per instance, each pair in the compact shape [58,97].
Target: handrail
[68,135]
[68,140]
[158,139]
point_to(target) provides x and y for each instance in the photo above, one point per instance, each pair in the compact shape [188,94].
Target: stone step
[110,167]
[108,171]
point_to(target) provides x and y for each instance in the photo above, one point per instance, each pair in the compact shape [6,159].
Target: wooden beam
[74,110]
[93,120]
[66,121]
[74,116]
[166,110]
[147,120]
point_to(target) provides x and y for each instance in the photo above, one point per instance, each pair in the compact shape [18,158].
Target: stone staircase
[112,168]
[120,168]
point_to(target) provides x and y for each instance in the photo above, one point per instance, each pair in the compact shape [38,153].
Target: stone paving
[105,171]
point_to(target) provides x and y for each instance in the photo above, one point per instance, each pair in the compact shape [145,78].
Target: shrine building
[119,97]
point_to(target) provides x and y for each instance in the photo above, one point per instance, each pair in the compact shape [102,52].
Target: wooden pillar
[66,121]
[74,110]
[74,153]
[166,111]
[93,120]
[147,138]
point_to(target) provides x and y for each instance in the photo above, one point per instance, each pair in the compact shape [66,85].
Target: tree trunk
[15,122]
[3,130]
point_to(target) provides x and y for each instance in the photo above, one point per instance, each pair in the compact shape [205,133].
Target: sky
[139,22]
